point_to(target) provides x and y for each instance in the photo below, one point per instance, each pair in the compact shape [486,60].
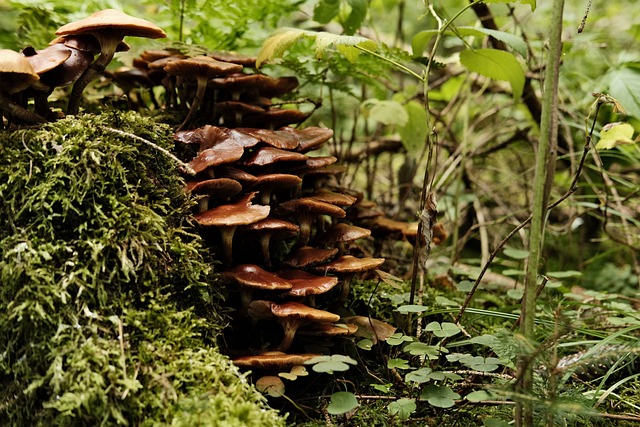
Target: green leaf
[403,408]
[479,395]
[439,396]
[365,344]
[342,402]
[386,112]
[331,364]
[564,274]
[495,64]
[464,286]
[422,349]
[515,253]
[275,46]
[531,3]
[442,330]
[615,134]
[398,338]
[624,86]
[414,133]
[419,376]
[515,293]
[479,363]
[397,364]
[404,309]
[326,10]
[356,17]
[517,43]
[420,40]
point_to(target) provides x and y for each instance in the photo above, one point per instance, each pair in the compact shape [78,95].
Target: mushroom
[201,68]
[273,360]
[342,233]
[109,27]
[222,188]
[226,152]
[308,256]
[267,228]
[249,278]
[347,266]
[267,184]
[228,217]
[291,315]
[57,65]
[283,139]
[307,285]
[269,155]
[16,74]
[306,209]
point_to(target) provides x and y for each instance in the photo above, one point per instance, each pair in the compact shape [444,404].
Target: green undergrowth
[108,309]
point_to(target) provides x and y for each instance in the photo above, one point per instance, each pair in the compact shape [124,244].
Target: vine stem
[184,166]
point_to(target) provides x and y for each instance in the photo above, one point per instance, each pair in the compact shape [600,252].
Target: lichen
[108,307]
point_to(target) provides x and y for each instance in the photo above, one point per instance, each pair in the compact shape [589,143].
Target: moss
[108,310]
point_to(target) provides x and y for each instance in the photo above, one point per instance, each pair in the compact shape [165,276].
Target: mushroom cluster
[69,59]
[270,210]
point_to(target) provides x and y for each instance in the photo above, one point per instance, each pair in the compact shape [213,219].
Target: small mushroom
[291,315]
[308,256]
[306,209]
[228,217]
[269,227]
[267,184]
[16,74]
[342,233]
[250,278]
[307,285]
[109,27]
[348,266]
[273,360]
[201,68]
[222,188]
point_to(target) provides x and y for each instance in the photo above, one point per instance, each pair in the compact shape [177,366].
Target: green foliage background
[98,280]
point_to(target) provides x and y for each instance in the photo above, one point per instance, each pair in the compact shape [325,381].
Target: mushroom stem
[227,243]
[88,76]
[15,111]
[346,284]
[202,86]
[290,328]
[265,240]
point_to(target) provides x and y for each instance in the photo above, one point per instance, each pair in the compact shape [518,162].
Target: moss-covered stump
[107,316]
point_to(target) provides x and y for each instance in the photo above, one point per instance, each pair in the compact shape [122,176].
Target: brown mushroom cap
[305,284]
[227,152]
[234,57]
[269,227]
[282,139]
[312,137]
[374,329]
[49,58]
[249,278]
[275,118]
[337,199]
[291,315]
[220,188]
[269,183]
[239,213]
[270,155]
[254,277]
[328,329]
[272,360]
[200,66]
[342,232]
[114,21]
[350,264]
[229,217]
[209,136]
[307,256]
[16,73]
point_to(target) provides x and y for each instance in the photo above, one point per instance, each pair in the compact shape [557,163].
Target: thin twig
[184,166]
